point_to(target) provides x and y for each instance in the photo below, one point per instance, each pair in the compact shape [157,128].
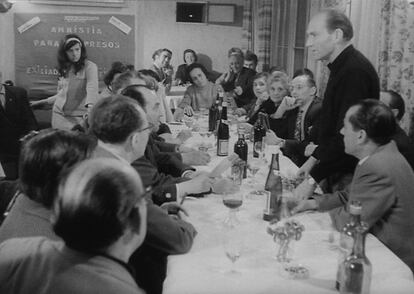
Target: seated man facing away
[170,178]
[44,156]
[383,180]
[100,214]
[122,130]
[396,103]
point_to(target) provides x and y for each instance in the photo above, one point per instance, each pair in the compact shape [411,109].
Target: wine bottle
[223,133]
[357,269]
[240,148]
[274,187]
[346,238]
[213,115]
[259,133]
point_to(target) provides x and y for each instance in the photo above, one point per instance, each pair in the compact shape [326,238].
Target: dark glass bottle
[240,148]
[346,238]
[274,187]
[259,133]
[356,278]
[223,133]
[213,114]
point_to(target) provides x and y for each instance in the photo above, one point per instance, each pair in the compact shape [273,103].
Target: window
[290,19]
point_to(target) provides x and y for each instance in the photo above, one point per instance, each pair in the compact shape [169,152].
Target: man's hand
[238,90]
[184,135]
[304,190]
[196,158]
[174,208]
[272,139]
[306,168]
[188,110]
[309,149]
[197,185]
[288,103]
[308,204]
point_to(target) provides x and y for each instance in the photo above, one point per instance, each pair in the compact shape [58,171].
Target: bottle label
[223,148]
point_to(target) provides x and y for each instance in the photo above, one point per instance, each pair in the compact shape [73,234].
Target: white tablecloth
[175,96]
[202,270]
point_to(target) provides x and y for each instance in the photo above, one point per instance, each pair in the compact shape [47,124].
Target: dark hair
[132,92]
[375,118]
[124,80]
[250,56]
[338,20]
[97,202]
[44,155]
[303,72]
[396,102]
[159,51]
[115,118]
[64,63]
[151,73]
[196,65]
[116,68]
[190,51]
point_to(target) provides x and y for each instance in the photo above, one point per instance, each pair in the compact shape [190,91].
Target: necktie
[298,126]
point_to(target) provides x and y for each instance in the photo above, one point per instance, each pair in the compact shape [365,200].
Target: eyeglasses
[149,127]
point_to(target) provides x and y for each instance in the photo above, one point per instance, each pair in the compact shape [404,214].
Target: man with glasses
[122,129]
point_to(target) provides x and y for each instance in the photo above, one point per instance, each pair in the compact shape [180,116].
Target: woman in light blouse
[78,84]
[201,94]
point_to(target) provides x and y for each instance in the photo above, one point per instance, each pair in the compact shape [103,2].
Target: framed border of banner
[96,3]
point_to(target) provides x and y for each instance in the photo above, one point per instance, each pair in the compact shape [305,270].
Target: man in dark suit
[238,80]
[396,103]
[16,120]
[382,182]
[299,117]
[122,129]
[352,78]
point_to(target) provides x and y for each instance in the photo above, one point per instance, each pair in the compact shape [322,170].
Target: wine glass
[189,121]
[254,165]
[232,235]
[259,148]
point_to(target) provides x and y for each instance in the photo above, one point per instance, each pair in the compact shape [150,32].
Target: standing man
[352,78]
[16,120]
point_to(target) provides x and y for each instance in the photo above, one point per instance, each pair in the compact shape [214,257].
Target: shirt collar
[104,146]
[363,160]
[2,90]
[337,64]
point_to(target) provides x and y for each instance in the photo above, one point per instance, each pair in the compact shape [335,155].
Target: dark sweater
[352,78]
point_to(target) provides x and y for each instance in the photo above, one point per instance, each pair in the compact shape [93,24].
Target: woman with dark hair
[182,76]
[77,87]
[44,156]
[201,94]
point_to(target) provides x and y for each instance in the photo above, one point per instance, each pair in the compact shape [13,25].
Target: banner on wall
[107,38]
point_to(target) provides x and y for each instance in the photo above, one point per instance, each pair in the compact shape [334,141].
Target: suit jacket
[62,269]
[16,120]
[384,185]
[404,145]
[165,235]
[293,148]
[244,80]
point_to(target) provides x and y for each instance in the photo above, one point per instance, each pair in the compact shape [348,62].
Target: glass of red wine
[232,234]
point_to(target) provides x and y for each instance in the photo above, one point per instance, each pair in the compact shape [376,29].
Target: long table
[203,269]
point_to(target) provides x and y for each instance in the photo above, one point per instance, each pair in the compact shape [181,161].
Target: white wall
[155,28]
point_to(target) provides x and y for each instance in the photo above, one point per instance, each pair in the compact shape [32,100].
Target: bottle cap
[224,104]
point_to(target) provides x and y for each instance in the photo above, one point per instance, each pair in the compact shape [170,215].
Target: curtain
[264,32]
[257,24]
[396,55]
[247,41]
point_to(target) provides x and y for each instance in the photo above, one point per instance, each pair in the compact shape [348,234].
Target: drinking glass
[189,121]
[232,234]
[254,165]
